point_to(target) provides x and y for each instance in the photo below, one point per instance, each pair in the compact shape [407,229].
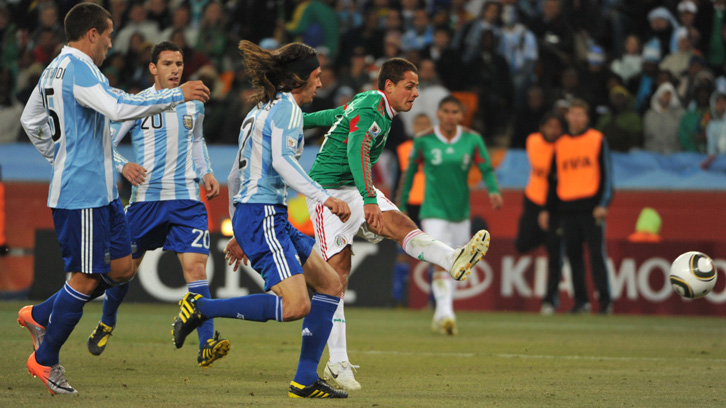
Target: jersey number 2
[246,131]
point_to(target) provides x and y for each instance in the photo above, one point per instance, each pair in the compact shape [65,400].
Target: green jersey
[353,144]
[446,166]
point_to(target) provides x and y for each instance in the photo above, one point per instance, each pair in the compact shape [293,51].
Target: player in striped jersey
[357,134]
[67,119]
[270,141]
[165,210]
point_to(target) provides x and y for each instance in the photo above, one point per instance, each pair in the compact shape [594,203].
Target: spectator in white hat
[687,11]
[677,62]
[662,26]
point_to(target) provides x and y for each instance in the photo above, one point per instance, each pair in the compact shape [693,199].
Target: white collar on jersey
[437,131]
[391,112]
[288,95]
[78,53]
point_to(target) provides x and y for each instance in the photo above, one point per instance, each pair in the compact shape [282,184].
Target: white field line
[605,358]
[533,356]
[412,353]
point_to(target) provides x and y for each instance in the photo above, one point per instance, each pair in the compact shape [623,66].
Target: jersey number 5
[55,127]
[246,131]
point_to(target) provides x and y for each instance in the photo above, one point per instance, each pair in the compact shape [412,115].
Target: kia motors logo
[479,281]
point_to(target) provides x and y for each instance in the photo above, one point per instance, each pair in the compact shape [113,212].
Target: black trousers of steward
[580,228]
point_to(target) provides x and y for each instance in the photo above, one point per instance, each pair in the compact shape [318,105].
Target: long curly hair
[266,68]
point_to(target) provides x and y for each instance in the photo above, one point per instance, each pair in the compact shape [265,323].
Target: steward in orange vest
[530,235]
[580,190]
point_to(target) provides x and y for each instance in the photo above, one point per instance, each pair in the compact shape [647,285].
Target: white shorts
[331,233]
[454,234]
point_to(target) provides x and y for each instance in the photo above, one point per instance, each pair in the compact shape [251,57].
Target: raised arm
[322,118]
[284,147]
[92,90]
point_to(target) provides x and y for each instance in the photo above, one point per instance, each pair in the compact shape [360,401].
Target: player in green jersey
[447,152]
[357,134]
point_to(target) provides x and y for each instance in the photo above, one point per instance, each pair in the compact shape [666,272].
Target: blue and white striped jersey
[171,147]
[67,119]
[270,141]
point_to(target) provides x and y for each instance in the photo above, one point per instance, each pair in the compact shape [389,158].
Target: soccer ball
[693,275]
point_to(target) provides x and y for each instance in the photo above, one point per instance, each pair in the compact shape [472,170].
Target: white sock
[443,287]
[424,247]
[337,347]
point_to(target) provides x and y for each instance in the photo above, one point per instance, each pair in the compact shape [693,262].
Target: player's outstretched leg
[319,389]
[315,333]
[37,331]
[54,377]
[213,350]
[188,319]
[469,255]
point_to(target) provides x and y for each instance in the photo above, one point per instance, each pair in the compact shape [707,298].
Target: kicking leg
[420,245]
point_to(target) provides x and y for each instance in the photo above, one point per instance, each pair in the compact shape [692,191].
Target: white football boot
[469,255]
[445,325]
[340,375]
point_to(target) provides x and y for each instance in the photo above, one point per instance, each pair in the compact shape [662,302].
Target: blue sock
[41,313]
[316,330]
[112,301]
[259,307]
[206,330]
[67,311]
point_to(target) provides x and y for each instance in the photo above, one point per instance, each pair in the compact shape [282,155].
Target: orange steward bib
[578,168]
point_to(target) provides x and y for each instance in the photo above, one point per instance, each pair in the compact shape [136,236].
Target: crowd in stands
[653,71]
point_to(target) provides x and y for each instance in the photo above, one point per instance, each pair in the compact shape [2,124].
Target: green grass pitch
[497,360]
